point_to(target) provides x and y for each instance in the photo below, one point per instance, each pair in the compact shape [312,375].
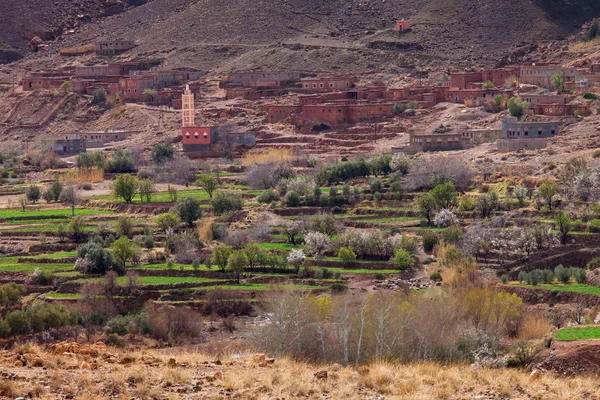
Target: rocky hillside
[22,20]
[308,34]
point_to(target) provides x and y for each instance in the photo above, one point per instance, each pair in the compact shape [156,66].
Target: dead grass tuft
[533,326]
[93,175]
[279,155]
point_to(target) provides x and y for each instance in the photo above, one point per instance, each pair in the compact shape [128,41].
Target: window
[553,132]
[540,132]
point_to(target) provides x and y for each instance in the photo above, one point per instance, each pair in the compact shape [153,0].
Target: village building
[253,94]
[420,141]
[561,110]
[66,145]
[113,47]
[525,135]
[483,135]
[574,79]
[261,79]
[535,99]
[203,141]
[99,139]
[86,79]
[327,83]
[476,97]
[402,25]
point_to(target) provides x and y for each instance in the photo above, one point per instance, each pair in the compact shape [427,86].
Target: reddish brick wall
[189,135]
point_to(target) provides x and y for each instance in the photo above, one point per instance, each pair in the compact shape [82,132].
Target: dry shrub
[168,323]
[78,50]
[174,376]
[9,388]
[205,229]
[78,175]
[273,155]
[225,303]
[533,325]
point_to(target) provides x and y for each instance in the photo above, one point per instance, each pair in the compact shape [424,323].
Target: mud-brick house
[111,47]
[561,110]
[45,80]
[525,135]
[261,79]
[402,25]
[65,145]
[99,139]
[327,83]
[420,141]
[476,97]
[281,112]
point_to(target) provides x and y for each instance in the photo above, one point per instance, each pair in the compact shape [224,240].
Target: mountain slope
[310,34]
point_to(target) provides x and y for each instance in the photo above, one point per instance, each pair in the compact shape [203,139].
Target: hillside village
[176,229]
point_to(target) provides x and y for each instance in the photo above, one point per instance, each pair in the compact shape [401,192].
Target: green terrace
[164,197]
[570,287]
[53,212]
[156,280]
[578,333]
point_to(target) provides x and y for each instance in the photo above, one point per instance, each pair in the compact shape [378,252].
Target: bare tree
[70,196]
[228,140]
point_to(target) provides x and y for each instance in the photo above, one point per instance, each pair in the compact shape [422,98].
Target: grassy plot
[39,228]
[31,267]
[574,287]
[55,212]
[63,296]
[158,280]
[578,333]
[162,197]
[280,246]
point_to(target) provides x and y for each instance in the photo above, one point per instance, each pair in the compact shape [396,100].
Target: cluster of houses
[330,101]
[515,135]
[126,80]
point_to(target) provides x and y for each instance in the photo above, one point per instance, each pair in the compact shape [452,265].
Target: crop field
[573,287]
[578,333]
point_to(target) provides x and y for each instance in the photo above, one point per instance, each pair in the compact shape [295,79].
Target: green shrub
[467,203]
[99,96]
[451,234]
[377,196]
[402,258]
[118,325]
[343,171]
[162,152]
[227,201]
[430,240]
[579,274]
[563,274]
[376,185]
[18,322]
[346,254]
[436,276]
[338,287]
[33,193]
[594,225]
[189,210]
[594,263]
[589,96]
[292,199]
[379,276]
[268,196]
[121,163]
[578,225]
